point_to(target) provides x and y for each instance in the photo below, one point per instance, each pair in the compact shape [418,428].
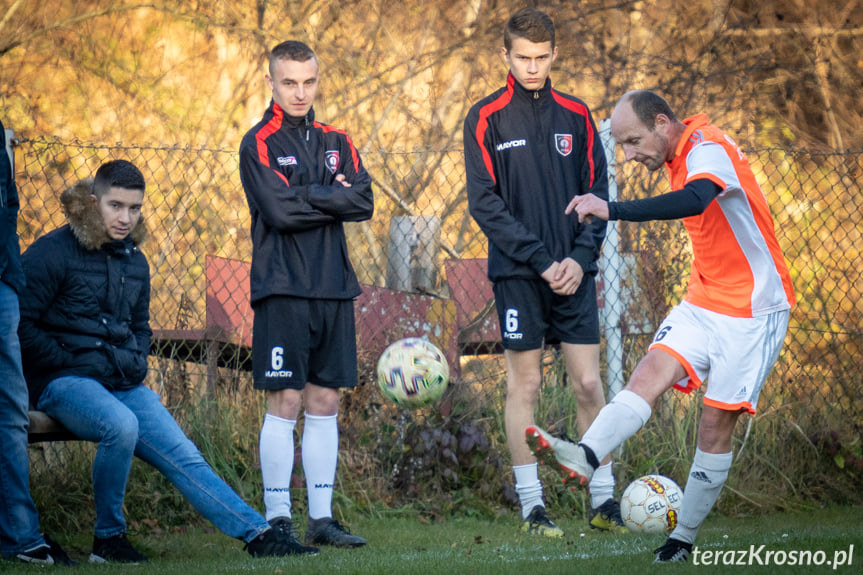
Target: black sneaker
[116,549]
[278,541]
[674,551]
[538,523]
[328,531]
[607,517]
[48,553]
[286,526]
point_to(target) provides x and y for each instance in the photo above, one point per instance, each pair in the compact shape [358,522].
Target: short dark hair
[291,50]
[647,105]
[532,25]
[117,174]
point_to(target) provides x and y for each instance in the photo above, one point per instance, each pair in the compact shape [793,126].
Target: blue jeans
[19,521]
[134,422]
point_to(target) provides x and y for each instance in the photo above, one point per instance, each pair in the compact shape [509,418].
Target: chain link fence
[421,261]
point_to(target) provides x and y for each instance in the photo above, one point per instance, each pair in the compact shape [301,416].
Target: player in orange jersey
[732,322]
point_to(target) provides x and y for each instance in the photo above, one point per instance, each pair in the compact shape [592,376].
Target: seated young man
[85,337]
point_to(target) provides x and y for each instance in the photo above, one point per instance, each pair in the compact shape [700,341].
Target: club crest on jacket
[563,144]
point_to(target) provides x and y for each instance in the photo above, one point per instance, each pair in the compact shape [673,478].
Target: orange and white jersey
[737,266]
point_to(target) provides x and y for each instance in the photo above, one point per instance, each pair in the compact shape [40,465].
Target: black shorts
[299,340]
[529,312]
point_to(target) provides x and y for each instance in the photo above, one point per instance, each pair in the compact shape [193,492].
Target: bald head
[644,125]
[648,105]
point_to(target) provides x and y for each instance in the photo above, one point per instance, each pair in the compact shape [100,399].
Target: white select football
[651,504]
[413,372]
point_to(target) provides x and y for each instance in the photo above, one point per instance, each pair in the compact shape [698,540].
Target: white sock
[616,422]
[706,478]
[276,449]
[320,457]
[528,487]
[601,485]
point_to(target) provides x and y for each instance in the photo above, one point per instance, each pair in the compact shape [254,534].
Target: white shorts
[736,353]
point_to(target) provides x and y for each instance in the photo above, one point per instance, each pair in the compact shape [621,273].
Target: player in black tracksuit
[297,206]
[527,153]
[528,150]
[303,180]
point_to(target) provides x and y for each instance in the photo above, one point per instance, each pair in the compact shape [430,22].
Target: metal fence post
[611,270]
[7,143]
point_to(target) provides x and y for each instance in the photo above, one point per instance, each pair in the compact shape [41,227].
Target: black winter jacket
[527,153]
[10,251]
[86,311]
[288,168]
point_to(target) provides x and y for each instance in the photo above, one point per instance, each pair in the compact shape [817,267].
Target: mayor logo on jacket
[563,143]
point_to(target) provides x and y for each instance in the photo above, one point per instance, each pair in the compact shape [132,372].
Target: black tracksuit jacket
[288,168]
[527,153]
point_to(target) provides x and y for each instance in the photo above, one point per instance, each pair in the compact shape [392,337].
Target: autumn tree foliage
[401,75]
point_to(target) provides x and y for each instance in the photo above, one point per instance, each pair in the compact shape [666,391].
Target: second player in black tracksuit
[288,168]
[527,152]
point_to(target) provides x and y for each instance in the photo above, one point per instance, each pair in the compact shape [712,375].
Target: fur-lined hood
[86,221]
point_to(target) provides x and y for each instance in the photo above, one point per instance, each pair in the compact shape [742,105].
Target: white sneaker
[565,457]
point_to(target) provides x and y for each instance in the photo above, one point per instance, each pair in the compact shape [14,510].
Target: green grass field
[401,544]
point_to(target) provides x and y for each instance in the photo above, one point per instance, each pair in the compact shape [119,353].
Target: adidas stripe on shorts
[733,354]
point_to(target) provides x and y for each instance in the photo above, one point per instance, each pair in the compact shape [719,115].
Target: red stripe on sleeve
[582,110]
[355,156]
[268,130]
[283,177]
[482,124]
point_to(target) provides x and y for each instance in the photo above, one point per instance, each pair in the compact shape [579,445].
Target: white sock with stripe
[706,478]
[276,448]
[320,457]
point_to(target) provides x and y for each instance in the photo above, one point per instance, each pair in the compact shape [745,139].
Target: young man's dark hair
[291,50]
[119,174]
[530,24]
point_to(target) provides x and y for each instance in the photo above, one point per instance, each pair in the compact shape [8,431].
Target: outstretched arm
[692,200]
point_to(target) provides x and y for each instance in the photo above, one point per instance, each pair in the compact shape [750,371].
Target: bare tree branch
[9,13]
[66,22]
[811,31]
